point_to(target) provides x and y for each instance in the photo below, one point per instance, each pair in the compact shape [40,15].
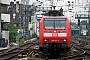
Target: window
[8,7]
[14,24]
[60,24]
[49,24]
[72,1]
[69,5]
[55,23]
[68,1]
[72,16]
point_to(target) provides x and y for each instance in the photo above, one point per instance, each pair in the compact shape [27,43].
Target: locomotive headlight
[64,40]
[45,40]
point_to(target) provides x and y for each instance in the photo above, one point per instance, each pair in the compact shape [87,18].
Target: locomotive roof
[54,17]
[54,13]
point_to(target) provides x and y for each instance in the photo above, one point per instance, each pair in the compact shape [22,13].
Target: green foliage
[12,31]
[27,38]
[31,28]
[76,36]
[21,41]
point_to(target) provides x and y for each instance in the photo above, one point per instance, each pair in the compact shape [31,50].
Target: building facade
[4,18]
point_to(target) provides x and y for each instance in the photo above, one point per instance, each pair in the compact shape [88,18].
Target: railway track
[14,53]
[80,51]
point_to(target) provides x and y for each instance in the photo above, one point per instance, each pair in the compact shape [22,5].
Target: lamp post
[0,20]
[89,21]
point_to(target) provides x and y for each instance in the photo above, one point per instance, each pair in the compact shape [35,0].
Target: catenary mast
[24,20]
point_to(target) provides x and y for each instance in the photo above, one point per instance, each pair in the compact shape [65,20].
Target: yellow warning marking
[72,48]
[89,45]
[77,41]
[20,54]
[30,53]
[25,59]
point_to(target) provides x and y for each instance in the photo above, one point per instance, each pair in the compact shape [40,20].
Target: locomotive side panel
[68,32]
[41,32]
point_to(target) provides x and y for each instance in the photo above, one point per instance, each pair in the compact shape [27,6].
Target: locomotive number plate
[54,34]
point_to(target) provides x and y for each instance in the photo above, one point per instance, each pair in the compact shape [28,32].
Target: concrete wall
[5,34]
[17,7]
[5,1]
[5,17]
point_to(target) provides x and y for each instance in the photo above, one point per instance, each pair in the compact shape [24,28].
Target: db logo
[54,34]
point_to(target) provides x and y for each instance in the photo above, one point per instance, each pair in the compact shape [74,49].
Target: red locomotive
[54,33]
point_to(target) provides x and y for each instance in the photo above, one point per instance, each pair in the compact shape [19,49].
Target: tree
[13,32]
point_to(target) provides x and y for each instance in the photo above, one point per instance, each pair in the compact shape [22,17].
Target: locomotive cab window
[49,24]
[55,23]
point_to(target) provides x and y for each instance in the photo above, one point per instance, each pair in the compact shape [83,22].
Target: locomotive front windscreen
[55,23]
